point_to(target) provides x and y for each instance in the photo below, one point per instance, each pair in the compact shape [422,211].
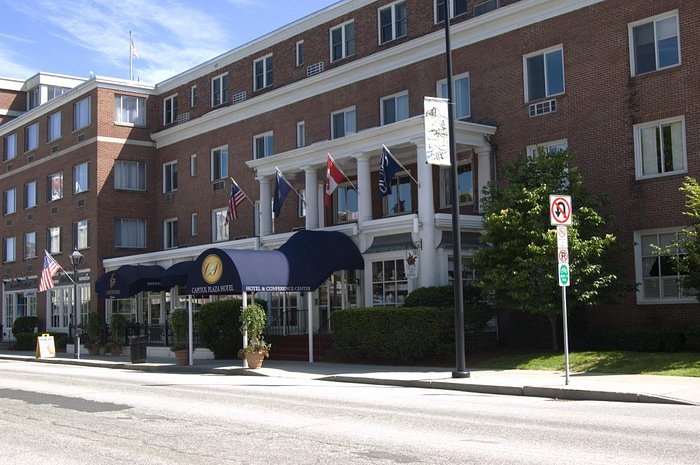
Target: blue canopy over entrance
[302,264]
[129,280]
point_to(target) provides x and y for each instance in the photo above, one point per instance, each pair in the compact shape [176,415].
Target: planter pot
[182,357]
[115,350]
[93,349]
[254,359]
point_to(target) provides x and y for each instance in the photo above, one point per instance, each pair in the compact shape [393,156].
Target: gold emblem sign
[212,268]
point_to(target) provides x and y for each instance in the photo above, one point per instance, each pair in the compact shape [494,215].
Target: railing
[287,323]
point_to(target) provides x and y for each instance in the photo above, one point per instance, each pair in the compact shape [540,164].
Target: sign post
[561,216]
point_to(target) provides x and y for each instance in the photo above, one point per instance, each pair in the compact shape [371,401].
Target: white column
[310,325]
[484,174]
[265,205]
[364,188]
[321,192]
[426,219]
[311,193]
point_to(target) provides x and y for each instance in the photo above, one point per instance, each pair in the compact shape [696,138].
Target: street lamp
[76,259]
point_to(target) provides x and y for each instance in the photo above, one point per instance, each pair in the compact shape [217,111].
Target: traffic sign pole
[566,336]
[561,216]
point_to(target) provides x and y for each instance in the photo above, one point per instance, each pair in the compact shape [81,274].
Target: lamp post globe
[76,259]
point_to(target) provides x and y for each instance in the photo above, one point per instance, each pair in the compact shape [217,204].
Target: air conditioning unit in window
[217,186]
[183,118]
[168,196]
[81,203]
[81,137]
[239,97]
[542,108]
[54,148]
[485,7]
[314,69]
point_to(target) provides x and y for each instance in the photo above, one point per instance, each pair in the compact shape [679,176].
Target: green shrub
[24,324]
[476,312]
[218,325]
[179,324]
[633,339]
[96,328]
[692,338]
[438,296]
[117,326]
[27,341]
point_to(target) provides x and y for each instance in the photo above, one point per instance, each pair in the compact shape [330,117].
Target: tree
[520,264]
[689,238]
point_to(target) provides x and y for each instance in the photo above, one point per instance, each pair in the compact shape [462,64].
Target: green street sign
[564,276]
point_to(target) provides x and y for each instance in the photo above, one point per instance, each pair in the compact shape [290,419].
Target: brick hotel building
[136,174]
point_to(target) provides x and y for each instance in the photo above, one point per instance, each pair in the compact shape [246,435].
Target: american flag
[134,53]
[51,267]
[234,200]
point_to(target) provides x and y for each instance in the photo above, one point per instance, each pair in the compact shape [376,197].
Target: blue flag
[282,188]
[388,166]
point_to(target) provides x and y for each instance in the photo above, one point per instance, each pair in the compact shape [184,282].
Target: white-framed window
[468,272]
[654,43]
[301,134]
[346,205]
[193,164]
[53,240]
[399,200]
[170,233]
[55,187]
[394,108]
[9,249]
[170,109]
[130,175]
[80,178]
[544,73]
[342,41]
[465,181]
[80,234]
[10,151]
[53,92]
[33,98]
[9,201]
[219,163]
[660,282]
[129,109]
[343,123]
[263,145]
[462,96]
[392,21]
[219,90]
[54,127]
[299,49]
[549,147]
[262,72]
[193,96]
[82,115]
[459,7]
[169,177]
[130,233]
[219,226]
[30,199]
[31,137]
[194,228]
[389,282]
[659,147]
[30,245]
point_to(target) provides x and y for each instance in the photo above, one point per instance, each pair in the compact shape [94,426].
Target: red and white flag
[334,176]
[51,267]
[134,53]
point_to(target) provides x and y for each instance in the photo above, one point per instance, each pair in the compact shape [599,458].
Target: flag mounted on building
[50,269]
[282,188]
[388,166]
[334,176]
[236,197]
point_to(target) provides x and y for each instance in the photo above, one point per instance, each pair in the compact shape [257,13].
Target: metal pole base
[460,374]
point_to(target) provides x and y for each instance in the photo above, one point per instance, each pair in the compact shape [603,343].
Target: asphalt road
[62,414]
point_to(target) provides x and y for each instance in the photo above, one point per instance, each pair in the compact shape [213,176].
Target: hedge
[639,340]
[219,328]
[27,341]
[24,324]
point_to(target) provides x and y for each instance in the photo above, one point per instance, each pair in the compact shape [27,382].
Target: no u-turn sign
[560,210]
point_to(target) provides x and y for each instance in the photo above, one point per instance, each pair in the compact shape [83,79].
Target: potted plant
[117,327]
[252,321]
[178,325]
[96,331]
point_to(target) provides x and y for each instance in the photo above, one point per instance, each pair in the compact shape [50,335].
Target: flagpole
[59,265]
[341,171]
[239,188]
[131,59]
[290,186]
[401,165]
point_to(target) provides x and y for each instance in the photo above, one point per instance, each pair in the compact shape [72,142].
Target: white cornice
[11,84]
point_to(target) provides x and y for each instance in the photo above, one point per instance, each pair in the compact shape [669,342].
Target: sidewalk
[582,386]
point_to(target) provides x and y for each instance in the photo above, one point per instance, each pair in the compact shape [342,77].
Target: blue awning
[128,280]
[176,275]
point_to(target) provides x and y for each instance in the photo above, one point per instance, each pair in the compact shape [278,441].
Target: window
[170,109]
[30,245]
[219,163]
[654,44]
[9,201]
[262,73]
[394,108]
[549,147]
[219,90]
[468,274]
[31,137]
[80,178]
[30,200]
[193,96]
[301,134]
[343,41]
[461,95]
[80,235]
[130,232]
[193,225]
[55,92]
[55,126]
[81,114]
[464,180]
[130,175]
[193,164]
[219,226]
[389,283]
[660,147]
[300,53]
[399,199]
[53,240]
[10,147]
[130,110]
[392,22]
[544,74]
[459,7]
[169,177]
[9,249]
[263,145]
[55,187]
[170,233]
[346,204]
[33,99]
[343,123]
[654,256]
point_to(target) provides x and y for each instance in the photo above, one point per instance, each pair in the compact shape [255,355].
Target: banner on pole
[437,134]
[411,265]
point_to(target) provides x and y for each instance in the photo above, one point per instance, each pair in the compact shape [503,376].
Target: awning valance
[176,275]
[128,280]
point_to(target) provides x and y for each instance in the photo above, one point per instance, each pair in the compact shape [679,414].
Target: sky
[76,37]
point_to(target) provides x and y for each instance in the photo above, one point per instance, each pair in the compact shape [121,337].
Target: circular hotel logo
[212,268]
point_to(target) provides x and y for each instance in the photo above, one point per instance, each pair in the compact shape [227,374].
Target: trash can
[137,347]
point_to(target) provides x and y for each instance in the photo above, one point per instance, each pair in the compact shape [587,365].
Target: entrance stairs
[296,347]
